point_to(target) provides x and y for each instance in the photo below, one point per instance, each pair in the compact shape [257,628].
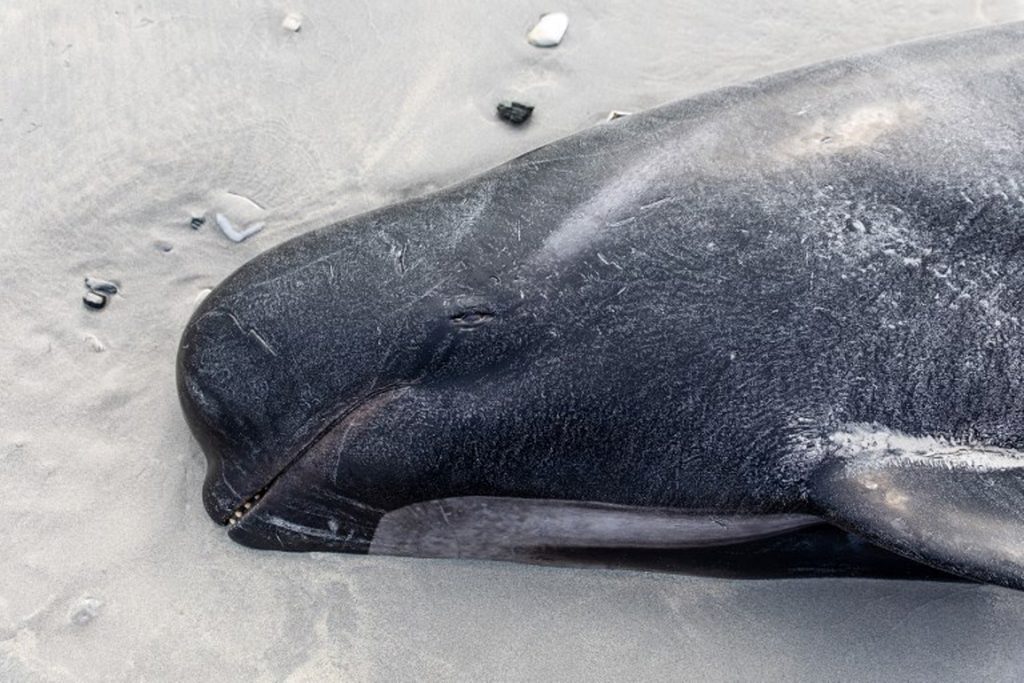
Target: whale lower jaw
[494,528]
[337,430]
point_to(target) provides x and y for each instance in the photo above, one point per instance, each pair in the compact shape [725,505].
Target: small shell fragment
[197,222]
[617,114]
[102,286]
[292,22]
[550,30]
[515,113]
[203,293]
[85,610]
[94,300]
[95,343]
[233,233]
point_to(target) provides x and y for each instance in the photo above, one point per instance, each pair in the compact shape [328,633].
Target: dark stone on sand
[515,113]
[94,300]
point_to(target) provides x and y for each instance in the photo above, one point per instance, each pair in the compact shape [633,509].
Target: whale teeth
[244,507]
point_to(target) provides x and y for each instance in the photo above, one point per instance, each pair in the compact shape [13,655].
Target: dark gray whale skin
[797,299]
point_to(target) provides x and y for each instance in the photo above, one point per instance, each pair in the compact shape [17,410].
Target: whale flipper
[517,529]
[959,508]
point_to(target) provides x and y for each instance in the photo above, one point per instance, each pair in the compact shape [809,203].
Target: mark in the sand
[238,216]
[248,199]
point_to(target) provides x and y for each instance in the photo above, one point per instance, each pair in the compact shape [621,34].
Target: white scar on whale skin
[588,221]
[871,447]
[868,449]
[858,128]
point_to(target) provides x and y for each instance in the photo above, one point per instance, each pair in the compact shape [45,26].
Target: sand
[120,121]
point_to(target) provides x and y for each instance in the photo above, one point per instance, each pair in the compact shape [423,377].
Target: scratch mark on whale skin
[263,342]
[300,529]
[251,332]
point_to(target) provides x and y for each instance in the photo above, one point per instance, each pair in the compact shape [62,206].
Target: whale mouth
[243,509]
[348,418]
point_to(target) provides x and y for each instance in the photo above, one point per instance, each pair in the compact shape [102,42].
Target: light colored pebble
[550,30]
[95,344]
[84,610]
[292,22]
[101,286]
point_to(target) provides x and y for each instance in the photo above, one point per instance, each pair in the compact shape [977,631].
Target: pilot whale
[791,302]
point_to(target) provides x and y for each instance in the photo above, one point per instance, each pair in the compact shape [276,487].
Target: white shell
[292,22]
[203,293]
[549,30]
[233,233]
[95,343]
[101,286]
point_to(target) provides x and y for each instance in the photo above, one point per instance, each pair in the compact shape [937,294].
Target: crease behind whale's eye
[471,318]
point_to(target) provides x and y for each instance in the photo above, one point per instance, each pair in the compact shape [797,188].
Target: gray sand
[119,121]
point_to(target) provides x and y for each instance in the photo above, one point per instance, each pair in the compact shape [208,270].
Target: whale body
[787,303]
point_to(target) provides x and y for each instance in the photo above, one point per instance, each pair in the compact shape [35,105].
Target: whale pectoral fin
[957,508]
[508,528]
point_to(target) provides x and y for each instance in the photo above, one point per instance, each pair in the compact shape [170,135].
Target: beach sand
[121,121]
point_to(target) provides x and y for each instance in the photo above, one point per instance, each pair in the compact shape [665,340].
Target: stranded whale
[793,301]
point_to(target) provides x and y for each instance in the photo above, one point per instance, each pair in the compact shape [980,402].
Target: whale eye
[471,318]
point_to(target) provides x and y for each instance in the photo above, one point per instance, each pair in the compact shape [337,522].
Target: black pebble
[94,300]
[514,112]
[197,222]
